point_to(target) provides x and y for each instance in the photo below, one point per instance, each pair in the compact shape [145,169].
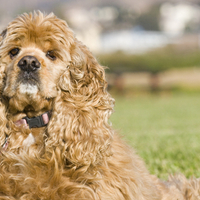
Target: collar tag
[5,144]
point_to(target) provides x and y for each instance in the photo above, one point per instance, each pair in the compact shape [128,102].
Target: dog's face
[35,51]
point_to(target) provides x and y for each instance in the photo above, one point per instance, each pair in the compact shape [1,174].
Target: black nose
[29,64]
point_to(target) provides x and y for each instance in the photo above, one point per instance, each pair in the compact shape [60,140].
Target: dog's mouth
[30,78]
[28,82]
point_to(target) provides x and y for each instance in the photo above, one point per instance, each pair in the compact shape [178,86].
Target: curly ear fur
[3,118]
[81,112]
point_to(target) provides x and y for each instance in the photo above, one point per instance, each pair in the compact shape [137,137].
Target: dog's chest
[36,136]
[29,140]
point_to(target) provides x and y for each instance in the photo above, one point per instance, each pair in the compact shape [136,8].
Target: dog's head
[35,51]
[40,57]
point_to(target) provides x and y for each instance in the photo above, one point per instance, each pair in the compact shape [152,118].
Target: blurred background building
[147,44]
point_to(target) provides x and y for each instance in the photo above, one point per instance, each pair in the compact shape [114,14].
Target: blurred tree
[150,20]
[153,62]
[125,19]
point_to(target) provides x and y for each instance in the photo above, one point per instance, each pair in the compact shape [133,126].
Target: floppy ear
[3,118]
[80,117]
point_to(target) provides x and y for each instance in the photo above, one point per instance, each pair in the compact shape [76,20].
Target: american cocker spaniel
[56,141]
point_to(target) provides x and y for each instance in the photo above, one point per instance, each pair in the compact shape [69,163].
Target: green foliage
[165,131]
[154,62]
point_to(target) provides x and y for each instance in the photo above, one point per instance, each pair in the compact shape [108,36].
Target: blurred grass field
[164,130]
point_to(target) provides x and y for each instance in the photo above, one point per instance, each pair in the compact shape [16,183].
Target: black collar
[35,122]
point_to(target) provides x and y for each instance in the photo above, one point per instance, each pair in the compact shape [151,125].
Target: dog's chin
[28,88]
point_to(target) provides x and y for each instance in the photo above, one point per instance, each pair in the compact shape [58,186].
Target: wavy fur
[78,155]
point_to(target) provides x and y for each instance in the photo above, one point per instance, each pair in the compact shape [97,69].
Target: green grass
[165,131]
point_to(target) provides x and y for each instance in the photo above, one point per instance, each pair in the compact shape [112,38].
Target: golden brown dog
[56,140]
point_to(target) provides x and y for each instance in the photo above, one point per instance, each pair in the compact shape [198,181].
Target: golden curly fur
[77,155]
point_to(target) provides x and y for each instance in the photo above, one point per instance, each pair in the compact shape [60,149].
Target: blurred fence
[174,79]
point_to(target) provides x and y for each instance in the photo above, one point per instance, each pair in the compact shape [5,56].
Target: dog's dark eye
[51,55]
[14,52]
